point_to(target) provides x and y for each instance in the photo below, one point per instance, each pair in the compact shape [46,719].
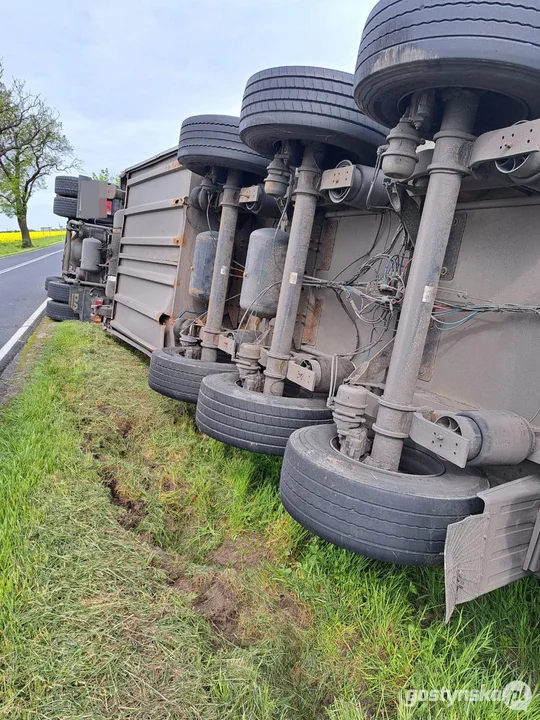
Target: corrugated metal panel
[155,252]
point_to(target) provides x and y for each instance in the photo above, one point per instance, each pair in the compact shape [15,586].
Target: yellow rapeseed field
[9,237]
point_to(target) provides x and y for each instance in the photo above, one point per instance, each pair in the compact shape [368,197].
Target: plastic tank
[265,261]
[202,268]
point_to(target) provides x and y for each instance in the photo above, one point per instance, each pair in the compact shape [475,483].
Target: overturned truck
[346,276]
[89,207]
[389,334]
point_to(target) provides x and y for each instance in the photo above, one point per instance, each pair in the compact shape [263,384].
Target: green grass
[13,248]
[193,594]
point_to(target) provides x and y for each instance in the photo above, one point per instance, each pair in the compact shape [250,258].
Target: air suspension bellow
[523,170]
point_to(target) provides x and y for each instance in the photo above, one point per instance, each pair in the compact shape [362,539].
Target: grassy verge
[13,248]
[149,572]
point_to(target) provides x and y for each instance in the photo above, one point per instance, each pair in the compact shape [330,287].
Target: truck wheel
[309,104]
[251,420]
[60,311]
[411,45]
[65,207]
[207,140]
[58,290]
[175,376]
[51,278]
[396,517]
[66,186]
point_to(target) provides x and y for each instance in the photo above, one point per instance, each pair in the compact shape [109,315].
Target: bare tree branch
[32,146]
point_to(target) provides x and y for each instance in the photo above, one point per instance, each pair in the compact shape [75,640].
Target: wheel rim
[413,462]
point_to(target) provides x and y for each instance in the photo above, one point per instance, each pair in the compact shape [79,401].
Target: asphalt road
[21,285]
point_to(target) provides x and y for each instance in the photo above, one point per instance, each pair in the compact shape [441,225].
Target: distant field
[10,242]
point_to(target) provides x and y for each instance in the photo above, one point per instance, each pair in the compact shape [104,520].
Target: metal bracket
[520,139]
[104,311]
[302,376]
[341,177]
[374,367]
[441,441]
[249,194]
[226,344]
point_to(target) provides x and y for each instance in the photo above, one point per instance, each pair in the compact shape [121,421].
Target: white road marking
[28,262]
[22,330]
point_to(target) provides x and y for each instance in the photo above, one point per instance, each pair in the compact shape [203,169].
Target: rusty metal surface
[314,308]
[429,355]
[326,244]
[454,246]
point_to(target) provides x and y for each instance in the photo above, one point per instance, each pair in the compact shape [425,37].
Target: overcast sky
[123,74]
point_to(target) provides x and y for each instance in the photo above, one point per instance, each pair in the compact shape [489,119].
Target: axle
[446,174]
[306,196]
[222,266]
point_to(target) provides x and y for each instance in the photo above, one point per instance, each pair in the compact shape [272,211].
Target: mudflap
[488,551]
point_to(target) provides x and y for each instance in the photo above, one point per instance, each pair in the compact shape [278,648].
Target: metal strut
[222,266]
[306,197]
[446,173]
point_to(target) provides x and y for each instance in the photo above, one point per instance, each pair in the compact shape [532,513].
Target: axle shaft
[446,174]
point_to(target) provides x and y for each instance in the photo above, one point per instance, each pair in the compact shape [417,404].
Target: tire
[51,278]
[411,45]
[207,140]
[251,420]
[177,377]
[58,290]
[394,517]
[65,207]
[309,104]
[60,311]
[66,186]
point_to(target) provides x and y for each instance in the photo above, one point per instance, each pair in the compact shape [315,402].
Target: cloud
[124,74]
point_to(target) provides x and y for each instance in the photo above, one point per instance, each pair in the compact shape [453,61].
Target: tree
[32,146]
[16,105]
[104,174]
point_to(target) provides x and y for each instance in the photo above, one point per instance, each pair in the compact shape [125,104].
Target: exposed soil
[134,509]
[245,551]
[219,605]
[213,593]
[124,426]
